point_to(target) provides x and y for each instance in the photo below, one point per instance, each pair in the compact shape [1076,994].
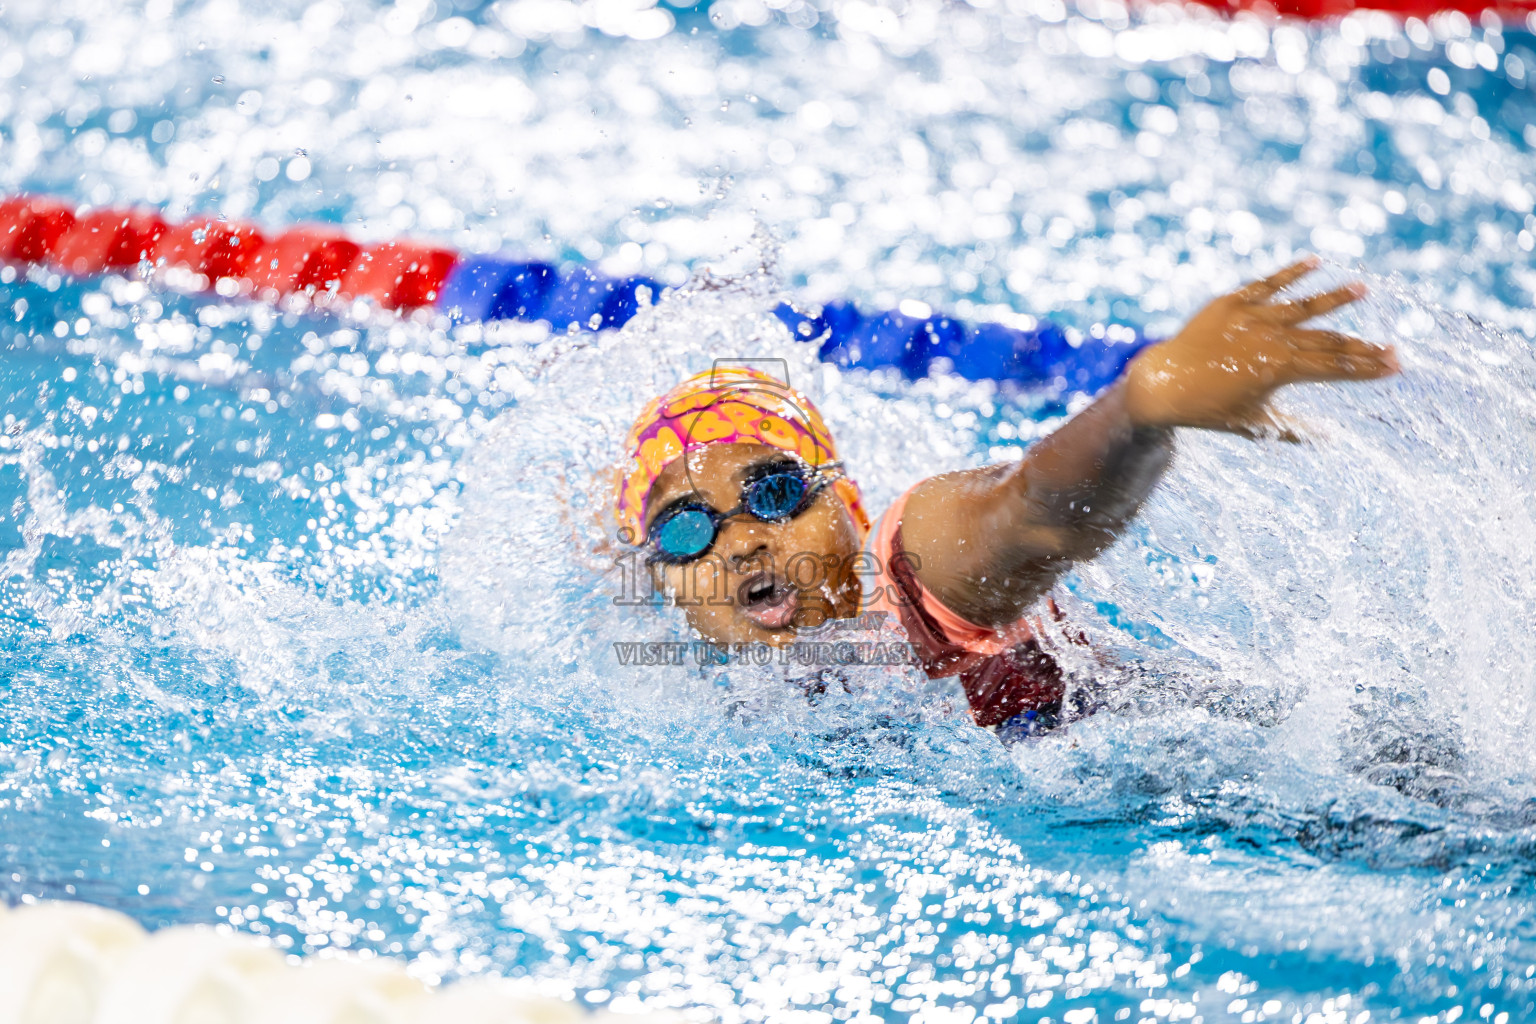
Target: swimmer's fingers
[1334,342]
[1260,291]
[1276,426]
[1303,310]
[1349,359]
[1288,428]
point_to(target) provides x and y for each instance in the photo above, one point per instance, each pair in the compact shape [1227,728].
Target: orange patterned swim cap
[731,405]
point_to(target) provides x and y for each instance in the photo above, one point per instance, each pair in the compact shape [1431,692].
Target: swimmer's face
[760,582]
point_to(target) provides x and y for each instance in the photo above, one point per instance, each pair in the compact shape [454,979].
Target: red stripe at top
[1317,9]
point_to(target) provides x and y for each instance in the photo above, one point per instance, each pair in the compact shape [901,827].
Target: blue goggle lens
[775,496]
[686,534]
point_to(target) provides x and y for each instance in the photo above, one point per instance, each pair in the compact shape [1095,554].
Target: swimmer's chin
[776,636]
[809,622]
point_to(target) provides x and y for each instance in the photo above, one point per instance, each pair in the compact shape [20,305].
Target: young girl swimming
[733,489]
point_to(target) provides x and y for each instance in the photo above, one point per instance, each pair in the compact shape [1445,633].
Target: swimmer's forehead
[715,470]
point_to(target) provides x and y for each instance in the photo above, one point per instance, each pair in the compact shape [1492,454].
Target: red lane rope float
[229,257]
[108,240]
[400,275]
[31,228]
[211,248]
[310,259]
[1318,9]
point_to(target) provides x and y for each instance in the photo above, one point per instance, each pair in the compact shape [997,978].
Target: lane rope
[1315,10]
[324,267]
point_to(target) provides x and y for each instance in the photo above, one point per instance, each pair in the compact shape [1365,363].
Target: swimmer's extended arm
[989,542]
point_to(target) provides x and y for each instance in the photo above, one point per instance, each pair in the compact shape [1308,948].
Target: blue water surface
[241,687]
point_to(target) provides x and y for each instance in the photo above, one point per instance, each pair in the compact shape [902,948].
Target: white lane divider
[75,963]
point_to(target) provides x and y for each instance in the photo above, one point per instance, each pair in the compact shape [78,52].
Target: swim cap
[723,406]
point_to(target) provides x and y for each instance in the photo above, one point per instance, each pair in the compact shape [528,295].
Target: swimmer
[733,490]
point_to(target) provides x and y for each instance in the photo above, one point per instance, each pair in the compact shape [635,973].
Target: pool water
[309,619]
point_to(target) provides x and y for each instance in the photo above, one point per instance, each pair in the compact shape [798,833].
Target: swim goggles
[774,492]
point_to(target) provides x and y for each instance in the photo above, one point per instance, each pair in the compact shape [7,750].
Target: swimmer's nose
[755,558]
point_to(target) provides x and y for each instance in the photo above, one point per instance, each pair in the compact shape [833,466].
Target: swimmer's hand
[1219,372]
[988,542]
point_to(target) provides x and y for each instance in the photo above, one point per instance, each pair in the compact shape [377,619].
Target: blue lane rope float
[487,288]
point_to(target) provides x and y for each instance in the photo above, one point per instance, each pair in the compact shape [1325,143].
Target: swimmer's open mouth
[768,602]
